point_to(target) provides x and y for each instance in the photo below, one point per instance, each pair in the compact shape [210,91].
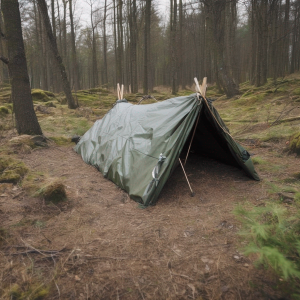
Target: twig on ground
[57,288]
[181,275]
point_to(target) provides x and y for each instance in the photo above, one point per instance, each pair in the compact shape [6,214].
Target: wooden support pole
[122,91]
[202,91]
[192,192]
[118,91]
[188,152]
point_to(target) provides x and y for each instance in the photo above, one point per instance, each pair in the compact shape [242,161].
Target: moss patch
[32,291]
[258,160]
[4,110]
[60,140]
[296,91]
[53,191]
[27,142]
[11,170]
[295,143]
[40,95]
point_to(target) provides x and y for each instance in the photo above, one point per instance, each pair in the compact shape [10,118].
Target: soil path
[182,248]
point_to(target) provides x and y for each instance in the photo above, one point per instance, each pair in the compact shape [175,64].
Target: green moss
[40,95]
[32,292]
[33,182]
[10,106]
[295,143]
[53,192]
[87,97]
[5,96]
[258,160]
[4,110]
[49,104]
[283,89]
[296,91]
[23,142]
[4,163]
[15,292]
[7,89]
[60,140]
[297,199]
[12,171]
[49,94]
[99,90]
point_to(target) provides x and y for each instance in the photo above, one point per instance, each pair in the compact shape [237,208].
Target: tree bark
[173,41]
[74,54]
[105,73]
[59,62]
[133,44]
[146,45]
[26,120]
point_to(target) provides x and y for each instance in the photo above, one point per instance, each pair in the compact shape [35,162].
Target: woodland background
[130,42]
[68,233]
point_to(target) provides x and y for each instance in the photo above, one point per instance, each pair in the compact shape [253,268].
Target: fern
[273,233]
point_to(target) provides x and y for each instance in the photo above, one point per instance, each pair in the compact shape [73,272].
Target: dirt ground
[100,245]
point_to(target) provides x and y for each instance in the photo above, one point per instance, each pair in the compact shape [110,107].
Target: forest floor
[98,244]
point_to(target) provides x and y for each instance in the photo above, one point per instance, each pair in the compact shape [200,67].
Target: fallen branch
[285,120]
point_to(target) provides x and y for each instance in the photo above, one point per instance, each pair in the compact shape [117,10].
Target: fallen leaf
[77,278]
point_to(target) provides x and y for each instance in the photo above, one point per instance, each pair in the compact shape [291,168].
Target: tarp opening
[209,141]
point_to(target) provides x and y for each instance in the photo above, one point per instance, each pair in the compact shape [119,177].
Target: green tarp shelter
[138,146]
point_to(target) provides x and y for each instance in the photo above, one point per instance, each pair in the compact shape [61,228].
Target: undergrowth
[273,235]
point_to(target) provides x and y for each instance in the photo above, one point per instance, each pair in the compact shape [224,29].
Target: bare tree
[26,120]
[146,45]
[59,62]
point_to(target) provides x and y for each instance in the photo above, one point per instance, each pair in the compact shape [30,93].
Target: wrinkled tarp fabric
[137,146]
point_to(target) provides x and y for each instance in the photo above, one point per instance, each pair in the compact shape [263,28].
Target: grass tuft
[53,191]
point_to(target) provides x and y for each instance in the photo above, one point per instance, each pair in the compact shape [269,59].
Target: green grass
[258,160]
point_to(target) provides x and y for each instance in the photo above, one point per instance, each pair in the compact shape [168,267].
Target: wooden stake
[118,91]
[122,91]
[203,87]
[197,85]
[192,192]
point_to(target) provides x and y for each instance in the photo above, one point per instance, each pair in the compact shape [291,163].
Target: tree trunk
[74,54]
[133,43]
[173,41]
[120,78]
[217,26]
[60,65]
[105,75]
[26,120]
[146,45]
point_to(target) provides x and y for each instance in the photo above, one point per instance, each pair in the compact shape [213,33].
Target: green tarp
[138,146]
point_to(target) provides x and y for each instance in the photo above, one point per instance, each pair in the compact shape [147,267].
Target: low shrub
[273,235]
